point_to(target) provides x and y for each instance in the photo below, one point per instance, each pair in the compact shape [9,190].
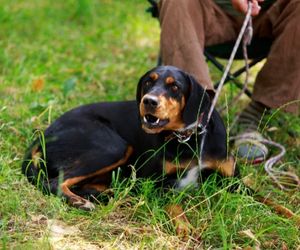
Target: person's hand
[242,6]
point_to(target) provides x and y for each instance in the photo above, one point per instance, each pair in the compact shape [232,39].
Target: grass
[56,55]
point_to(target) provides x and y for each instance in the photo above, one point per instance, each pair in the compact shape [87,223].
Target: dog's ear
[139,86]
[198,101]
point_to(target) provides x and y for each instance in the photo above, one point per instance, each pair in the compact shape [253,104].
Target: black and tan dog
[159,133]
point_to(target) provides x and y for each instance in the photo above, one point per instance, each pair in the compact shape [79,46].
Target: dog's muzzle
[150,119]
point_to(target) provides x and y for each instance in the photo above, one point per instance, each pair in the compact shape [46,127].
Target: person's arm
[242,6]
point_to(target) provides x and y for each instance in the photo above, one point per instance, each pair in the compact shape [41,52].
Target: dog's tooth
[157,121]
[145,119]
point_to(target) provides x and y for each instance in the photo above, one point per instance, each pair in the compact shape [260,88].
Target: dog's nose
[150,101]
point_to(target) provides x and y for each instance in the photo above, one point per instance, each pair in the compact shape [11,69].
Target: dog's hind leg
[72,198]
[78,201]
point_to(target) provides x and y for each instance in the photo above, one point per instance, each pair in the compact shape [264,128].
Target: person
[187,26]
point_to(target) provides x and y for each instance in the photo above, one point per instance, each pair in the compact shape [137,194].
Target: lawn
[55,55]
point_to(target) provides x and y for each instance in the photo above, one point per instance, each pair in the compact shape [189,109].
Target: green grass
[55,55]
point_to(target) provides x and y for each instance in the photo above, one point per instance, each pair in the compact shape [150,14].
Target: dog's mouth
[151,121]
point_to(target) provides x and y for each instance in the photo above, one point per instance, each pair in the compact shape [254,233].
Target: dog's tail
[34,167]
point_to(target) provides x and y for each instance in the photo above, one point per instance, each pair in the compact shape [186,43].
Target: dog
[160,133]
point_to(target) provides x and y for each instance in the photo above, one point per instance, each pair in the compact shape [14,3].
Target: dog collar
[185,134]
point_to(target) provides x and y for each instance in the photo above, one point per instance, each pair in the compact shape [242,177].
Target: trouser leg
[278,82]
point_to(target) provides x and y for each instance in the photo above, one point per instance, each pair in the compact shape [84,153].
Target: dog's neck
[185,134]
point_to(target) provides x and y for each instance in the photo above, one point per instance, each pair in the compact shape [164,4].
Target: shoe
[249,148]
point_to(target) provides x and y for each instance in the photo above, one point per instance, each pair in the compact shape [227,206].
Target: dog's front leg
[182,225]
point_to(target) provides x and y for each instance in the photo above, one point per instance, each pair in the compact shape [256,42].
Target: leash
[246,41]
[246,24]
[184,135]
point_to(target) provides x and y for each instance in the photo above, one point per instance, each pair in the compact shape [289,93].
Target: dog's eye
[174,88]
[148,84]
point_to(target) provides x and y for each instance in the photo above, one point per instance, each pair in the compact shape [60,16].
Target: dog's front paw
[182,225]
[183,230]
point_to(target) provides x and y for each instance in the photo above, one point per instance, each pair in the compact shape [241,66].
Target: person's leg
[186,27]
[278,83]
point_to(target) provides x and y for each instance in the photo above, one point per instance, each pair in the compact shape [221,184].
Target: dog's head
[169,99]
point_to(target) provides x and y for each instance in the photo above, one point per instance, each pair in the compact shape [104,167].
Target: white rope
[246,41]
[225,73]
[276,175]
[291,179]
[230,61]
